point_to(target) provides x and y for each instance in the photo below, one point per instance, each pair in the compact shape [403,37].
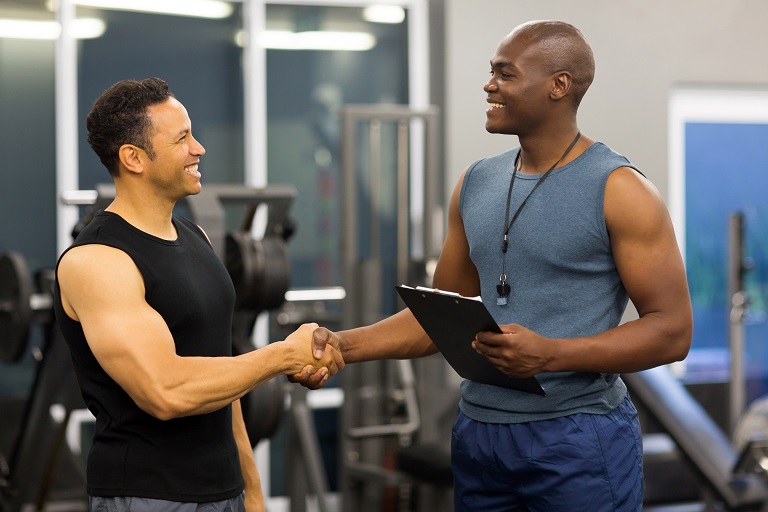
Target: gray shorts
[132,504]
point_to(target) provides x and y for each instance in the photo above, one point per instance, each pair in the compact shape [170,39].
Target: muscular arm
[400,336]
[651,269]
[103,290]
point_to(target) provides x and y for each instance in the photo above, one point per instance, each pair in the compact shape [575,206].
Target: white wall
[643,49]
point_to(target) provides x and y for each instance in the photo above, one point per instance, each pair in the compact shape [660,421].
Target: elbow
[162,406]
[680,338]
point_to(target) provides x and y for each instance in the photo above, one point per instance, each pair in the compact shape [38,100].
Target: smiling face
[174,168]
[518,89]
[539,73]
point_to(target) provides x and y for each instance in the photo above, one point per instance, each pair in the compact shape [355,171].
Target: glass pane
[709,204]
[305,90]
[27,179]
[200,61]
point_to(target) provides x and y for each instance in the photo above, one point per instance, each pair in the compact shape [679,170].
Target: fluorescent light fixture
[196,8]
[82,28]
[314,294]
[315,40]
[384,14]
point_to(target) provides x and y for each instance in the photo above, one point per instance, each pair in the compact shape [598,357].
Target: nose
[196,148]
[490,85]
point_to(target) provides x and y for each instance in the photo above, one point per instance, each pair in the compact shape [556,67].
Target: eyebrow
[182,132]
[502,64]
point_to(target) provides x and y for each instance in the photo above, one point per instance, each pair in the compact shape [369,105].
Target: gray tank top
[559,265]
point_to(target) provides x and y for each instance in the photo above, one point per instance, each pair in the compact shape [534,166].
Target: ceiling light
[82,28]
[384,14]
[315,40]
[196,8]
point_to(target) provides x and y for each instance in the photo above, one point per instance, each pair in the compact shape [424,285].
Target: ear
[561,84]
[132,158]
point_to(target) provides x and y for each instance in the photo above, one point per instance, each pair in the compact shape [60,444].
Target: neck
[539,153]
[150,214]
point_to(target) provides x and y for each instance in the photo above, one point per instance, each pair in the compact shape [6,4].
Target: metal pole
[738,308]
[67,174]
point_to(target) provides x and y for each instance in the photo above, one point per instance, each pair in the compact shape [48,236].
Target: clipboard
[452,321]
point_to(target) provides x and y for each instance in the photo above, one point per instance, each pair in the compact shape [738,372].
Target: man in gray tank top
[555,236]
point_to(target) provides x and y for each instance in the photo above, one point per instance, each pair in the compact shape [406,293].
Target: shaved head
[560,47]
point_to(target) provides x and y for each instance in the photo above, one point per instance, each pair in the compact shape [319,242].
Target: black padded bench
[699,439]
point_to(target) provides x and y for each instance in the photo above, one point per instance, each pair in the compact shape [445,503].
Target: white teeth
[192,170]
[495,105]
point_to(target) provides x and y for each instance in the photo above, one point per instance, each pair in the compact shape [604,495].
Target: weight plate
[272,272]
[15,310]
[263,409]
[239,263]
[260,271]
[263,406]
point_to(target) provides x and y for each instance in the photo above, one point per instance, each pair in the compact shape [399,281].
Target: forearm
[397,337]
[647,342]
[197,385]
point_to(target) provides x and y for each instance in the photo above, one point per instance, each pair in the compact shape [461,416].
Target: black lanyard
[503,287]
[507,223]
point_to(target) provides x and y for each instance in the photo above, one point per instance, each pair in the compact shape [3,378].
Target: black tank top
[190,459]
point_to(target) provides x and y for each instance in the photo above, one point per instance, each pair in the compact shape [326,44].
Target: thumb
[320,338]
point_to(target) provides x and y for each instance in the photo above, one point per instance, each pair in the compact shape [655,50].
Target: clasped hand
[320,361]
[517,352]
[325,345]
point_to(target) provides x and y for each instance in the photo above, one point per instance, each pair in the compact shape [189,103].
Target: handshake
[312,354]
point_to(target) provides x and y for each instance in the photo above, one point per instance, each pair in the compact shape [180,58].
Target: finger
[332,366]
[319,379]
[491,339]
[320,338]
[337,361]
[316,380]
[303,375]
[510,328]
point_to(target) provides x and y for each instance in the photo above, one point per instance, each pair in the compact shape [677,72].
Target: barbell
[19,306]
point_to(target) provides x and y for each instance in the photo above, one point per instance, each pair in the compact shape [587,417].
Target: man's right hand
[323,343]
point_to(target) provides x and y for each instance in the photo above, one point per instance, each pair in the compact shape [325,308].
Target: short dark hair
[119,116]
[562,47]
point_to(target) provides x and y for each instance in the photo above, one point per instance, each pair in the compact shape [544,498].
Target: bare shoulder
[91,274]
[632,200]
[90,260]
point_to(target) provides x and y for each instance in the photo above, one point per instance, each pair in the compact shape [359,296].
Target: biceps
[650,265]
[132,346]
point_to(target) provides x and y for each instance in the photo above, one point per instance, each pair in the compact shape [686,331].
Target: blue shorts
[579,463]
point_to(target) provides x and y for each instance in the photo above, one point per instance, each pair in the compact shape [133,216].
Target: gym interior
[329,163]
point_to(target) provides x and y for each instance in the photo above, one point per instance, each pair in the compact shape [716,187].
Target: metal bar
[67,174]
[434,229]
[403,211]
[78,197]
[374,174]
[738,303]
[405,374]
[255,94]
[385,112]
[307,437]
[349,222]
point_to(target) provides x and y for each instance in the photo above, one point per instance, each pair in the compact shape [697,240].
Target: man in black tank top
[146,309]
